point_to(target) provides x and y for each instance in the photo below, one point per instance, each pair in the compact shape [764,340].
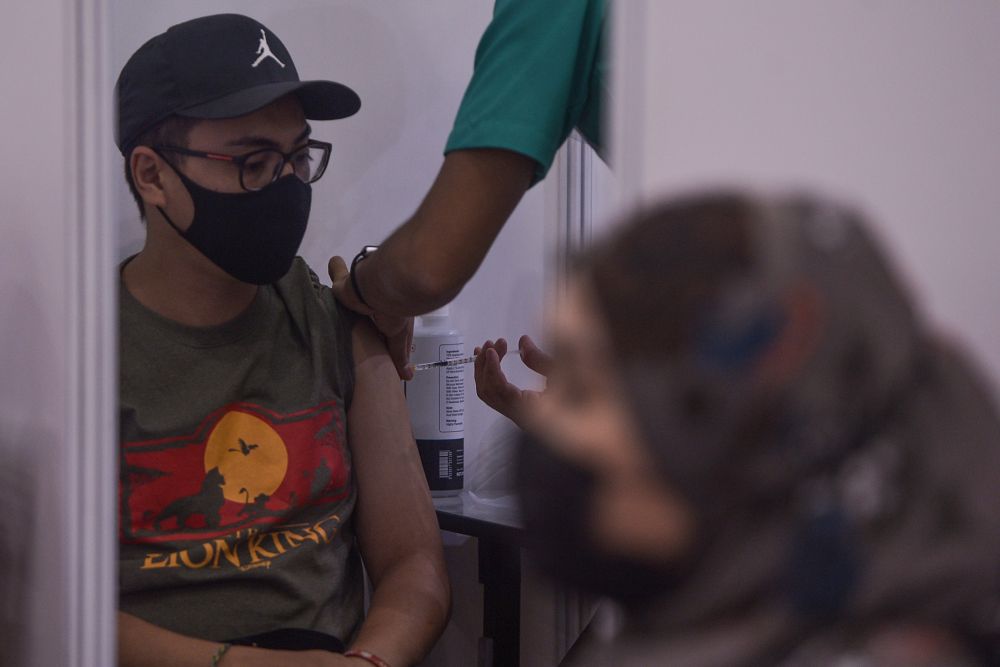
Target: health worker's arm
[425,263]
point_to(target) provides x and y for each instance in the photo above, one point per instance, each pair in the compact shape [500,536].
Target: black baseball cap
[219,66]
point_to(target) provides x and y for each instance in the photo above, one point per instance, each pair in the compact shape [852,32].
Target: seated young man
[265,445]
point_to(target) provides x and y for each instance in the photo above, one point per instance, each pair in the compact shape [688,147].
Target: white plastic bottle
[436,398]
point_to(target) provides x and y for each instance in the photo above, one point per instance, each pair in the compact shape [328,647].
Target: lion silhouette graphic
[207,503]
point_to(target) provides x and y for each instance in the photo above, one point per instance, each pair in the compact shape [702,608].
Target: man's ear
[800,334]
[147,175]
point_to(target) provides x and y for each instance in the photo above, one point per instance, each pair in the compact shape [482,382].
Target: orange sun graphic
[250,455]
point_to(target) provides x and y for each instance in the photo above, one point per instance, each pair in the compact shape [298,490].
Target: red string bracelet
[365,655]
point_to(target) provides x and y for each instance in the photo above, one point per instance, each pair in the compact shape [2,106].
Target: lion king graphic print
[236,491]
[245,470]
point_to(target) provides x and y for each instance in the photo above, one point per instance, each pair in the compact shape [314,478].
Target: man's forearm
[396,526]
[408,612]
[425,263]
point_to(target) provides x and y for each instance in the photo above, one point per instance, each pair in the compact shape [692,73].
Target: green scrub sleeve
[539,72]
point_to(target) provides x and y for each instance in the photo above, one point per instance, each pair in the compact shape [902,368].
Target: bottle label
[436,399]
[444,463]
[451,387]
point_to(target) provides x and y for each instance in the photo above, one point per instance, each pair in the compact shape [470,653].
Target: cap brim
[321,100]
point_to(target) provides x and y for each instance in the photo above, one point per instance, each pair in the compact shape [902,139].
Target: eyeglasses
[260,168]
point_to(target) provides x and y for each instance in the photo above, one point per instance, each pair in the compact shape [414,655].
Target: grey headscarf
[862,491]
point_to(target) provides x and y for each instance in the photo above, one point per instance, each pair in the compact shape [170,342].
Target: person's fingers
[492,385]
[398,334]
[337,268]
[402,345]
[501,347]
[481,351]
[479,364]
[533,357]
[400,358]
[342,289]
[499,393]
[485,379]
[492,372]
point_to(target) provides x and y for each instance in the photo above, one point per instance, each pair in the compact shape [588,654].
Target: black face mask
[252,236]
[557,499]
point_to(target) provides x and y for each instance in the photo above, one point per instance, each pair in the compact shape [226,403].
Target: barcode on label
[444,465]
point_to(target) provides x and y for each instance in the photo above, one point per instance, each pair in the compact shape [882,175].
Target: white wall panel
[56,337]
[888,103]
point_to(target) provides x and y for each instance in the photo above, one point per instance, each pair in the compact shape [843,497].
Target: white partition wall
[891,104]
[57,433]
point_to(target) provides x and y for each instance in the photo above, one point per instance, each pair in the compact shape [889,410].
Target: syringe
[442,364]
[449,362]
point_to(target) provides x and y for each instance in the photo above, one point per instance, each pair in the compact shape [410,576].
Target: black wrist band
[367,250]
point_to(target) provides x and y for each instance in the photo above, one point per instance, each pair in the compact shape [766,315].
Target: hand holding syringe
[492,385]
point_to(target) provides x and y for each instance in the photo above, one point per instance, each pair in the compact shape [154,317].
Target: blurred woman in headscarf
[752,442]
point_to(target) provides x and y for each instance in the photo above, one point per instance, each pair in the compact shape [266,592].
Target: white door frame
[574,210]
[91,431]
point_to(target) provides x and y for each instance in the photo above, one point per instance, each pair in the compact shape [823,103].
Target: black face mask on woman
[557,504]
[252,236]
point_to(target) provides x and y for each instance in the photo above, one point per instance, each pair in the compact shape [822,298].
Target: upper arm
[394,517]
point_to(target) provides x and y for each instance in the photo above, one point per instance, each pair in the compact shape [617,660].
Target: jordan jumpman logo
[264,51]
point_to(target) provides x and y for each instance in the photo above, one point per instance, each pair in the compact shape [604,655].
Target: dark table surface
[494,520]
